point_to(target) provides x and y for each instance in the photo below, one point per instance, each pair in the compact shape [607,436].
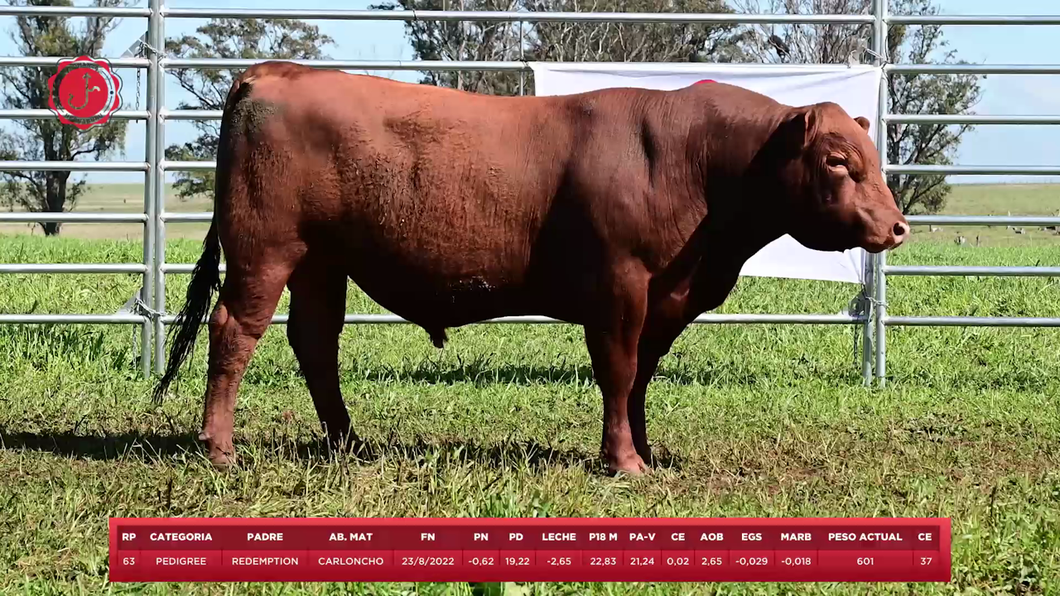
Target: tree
[230,38]
[478,41]
[635,42]
[626,42]
[908,93]
[49,139]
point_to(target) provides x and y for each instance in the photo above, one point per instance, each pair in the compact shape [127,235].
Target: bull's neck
[743,214]
[740,215]
[718,248]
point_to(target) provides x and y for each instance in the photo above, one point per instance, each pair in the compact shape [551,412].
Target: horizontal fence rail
[30,319]
[962,170]
[72,268]
[528,16]
[914,169]
[522,66]
[980,69]
[977,119]
[72,11]
[519,16]
[983,220]
[704,319]
[971,321]
[69,217]
[192,114]
[50,61]
[202,216]
[414,65]
[971,19]
[154,218]
[50,115]
[972,271]
[74,166]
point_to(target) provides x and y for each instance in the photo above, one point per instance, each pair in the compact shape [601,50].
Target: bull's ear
[798,130]
[863,122]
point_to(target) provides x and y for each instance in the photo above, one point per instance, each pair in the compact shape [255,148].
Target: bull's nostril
[900,229]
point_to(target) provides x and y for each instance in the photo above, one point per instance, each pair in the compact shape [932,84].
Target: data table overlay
[530,549]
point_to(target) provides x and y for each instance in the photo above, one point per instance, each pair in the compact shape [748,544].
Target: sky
[984,145]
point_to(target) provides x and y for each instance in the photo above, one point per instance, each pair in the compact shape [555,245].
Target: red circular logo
[704,81]
[84,92]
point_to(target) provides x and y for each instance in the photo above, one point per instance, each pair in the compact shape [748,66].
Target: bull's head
[836,195]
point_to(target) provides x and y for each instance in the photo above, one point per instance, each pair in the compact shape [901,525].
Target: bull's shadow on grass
[478,371]
[510,454]
[484,372]
[153,446]
[105,447]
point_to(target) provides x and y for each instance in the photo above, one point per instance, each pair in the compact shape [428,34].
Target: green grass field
[505,421]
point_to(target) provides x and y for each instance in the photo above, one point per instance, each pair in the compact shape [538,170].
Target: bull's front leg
[612,343]
[656,339]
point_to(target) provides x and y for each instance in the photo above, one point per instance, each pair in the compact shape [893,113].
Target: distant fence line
[151,312]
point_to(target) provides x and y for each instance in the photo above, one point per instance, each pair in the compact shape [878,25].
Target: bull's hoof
[632,465]
[222,461]
[347,443]
[222,458]
[645,454]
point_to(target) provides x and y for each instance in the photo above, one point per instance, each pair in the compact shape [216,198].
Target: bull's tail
[205,279]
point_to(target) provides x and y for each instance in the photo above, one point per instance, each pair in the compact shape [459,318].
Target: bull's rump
[442,205]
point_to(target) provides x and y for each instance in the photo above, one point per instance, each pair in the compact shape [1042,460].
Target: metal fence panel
[151,307]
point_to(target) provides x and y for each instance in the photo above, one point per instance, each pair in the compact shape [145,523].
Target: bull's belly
[436,300]
[436,271]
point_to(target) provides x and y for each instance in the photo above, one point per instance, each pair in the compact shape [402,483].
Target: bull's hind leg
[318,304]
[244,309]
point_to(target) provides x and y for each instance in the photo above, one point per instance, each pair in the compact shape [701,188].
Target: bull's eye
[836,161]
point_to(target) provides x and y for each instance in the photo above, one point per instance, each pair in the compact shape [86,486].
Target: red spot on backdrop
[704,81]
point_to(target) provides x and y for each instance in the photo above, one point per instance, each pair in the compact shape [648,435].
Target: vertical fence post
[866,327]
[869,264]
[522,58]
[147,293]
[880,279]
[158,41]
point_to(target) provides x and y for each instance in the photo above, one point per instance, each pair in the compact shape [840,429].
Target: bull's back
[433,199]
[419,170]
